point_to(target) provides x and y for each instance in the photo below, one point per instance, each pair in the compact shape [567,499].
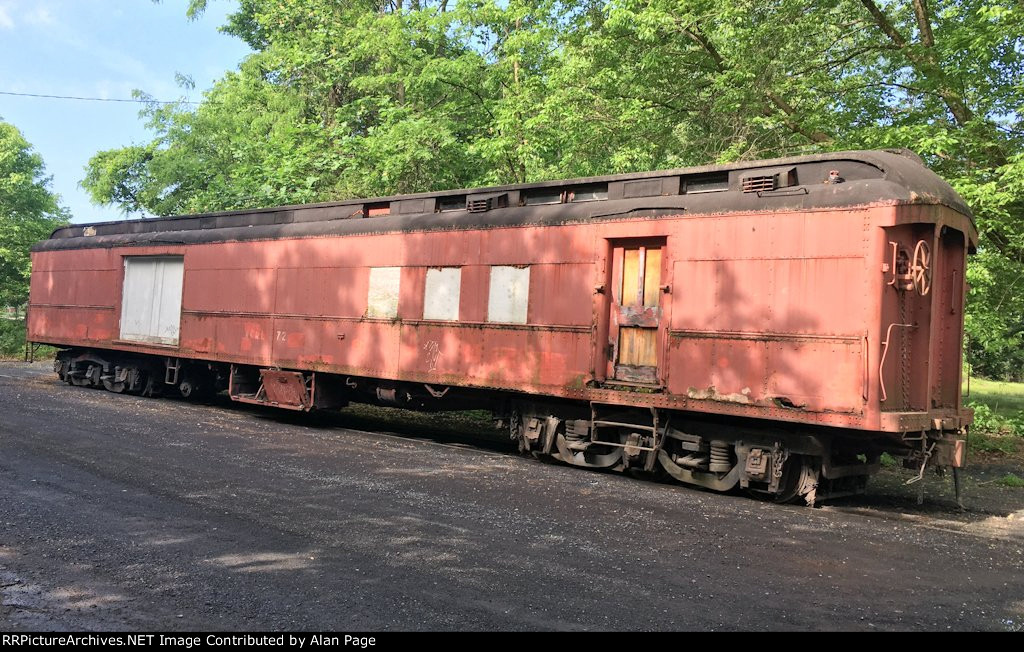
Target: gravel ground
[127,513]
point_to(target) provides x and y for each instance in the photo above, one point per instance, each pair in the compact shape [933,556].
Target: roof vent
[484,203]
[764,183]
[767,180]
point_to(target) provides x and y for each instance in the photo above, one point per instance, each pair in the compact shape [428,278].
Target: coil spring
[514,425]
[721,457]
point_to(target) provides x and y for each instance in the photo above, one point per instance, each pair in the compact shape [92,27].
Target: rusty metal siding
[769,314]
[226,291]
[949,286]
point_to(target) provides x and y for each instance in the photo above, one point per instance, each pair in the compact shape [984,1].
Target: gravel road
[121,513]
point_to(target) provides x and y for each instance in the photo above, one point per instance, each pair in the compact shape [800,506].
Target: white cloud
[39,16]
[6,22]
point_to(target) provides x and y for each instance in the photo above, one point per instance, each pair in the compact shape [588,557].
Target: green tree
[369,97]
[657,83]
[340,99]
[29,212]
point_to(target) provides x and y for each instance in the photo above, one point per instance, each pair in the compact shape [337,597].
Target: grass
[1004,399]
[12,342]
[1011,480]
[12,339]
[998,428]
[995,444]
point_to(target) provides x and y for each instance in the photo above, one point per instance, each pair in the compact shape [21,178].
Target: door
[151,299]
[634,325]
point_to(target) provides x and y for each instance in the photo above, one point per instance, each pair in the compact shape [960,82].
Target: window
[650,187]
[377,210]
[151,299]
[509,295]
[641,276]
[456,203]
[382,299]
[542,196]
[441,294]
[708,183]
[590,192]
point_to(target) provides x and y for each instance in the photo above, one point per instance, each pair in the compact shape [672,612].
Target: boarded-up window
[151,299]
[441,294]
[382,299]
[641,289]
[509,295]
[638,346]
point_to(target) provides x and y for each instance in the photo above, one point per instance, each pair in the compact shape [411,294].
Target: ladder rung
[623,425]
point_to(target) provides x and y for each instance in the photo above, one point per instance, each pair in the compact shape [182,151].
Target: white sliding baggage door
[151,302]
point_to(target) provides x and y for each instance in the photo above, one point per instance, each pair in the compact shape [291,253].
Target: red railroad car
[772,325]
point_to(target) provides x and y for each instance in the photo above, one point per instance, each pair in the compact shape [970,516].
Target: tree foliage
[349,98]
[29,212]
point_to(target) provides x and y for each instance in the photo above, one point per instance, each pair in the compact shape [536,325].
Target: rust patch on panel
[285,388]
[712,394]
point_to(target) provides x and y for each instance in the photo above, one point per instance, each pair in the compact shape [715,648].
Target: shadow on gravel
[887,492]
[469,429]
[982,497]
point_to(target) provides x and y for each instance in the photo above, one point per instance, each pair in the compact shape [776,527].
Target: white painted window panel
[509,295]
[151,299]
[441,294]
[382,301]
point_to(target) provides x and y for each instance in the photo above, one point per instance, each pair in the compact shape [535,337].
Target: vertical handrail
[952,292]
[895,248]
[865,357]
[885,351]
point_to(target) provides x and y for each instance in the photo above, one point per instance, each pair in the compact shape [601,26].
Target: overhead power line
[96,99]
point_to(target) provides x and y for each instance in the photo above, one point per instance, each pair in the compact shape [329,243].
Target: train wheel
[592,459]
[116,386]
[800,480]
[138,381]
[80,378]
[190,388]
[61,367]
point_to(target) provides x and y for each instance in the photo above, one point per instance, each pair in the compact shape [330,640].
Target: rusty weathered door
[634,325]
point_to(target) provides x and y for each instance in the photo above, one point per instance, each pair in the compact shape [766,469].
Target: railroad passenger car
[771,325]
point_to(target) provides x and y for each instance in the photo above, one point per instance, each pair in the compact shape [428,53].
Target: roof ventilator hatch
[769,180]
[484,203]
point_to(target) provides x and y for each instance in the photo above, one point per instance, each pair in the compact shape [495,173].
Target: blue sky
[104,49]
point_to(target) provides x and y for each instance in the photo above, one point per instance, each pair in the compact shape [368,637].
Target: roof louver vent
[761,183]
[484,203]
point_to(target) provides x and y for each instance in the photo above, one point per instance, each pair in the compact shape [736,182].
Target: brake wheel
[921,268]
